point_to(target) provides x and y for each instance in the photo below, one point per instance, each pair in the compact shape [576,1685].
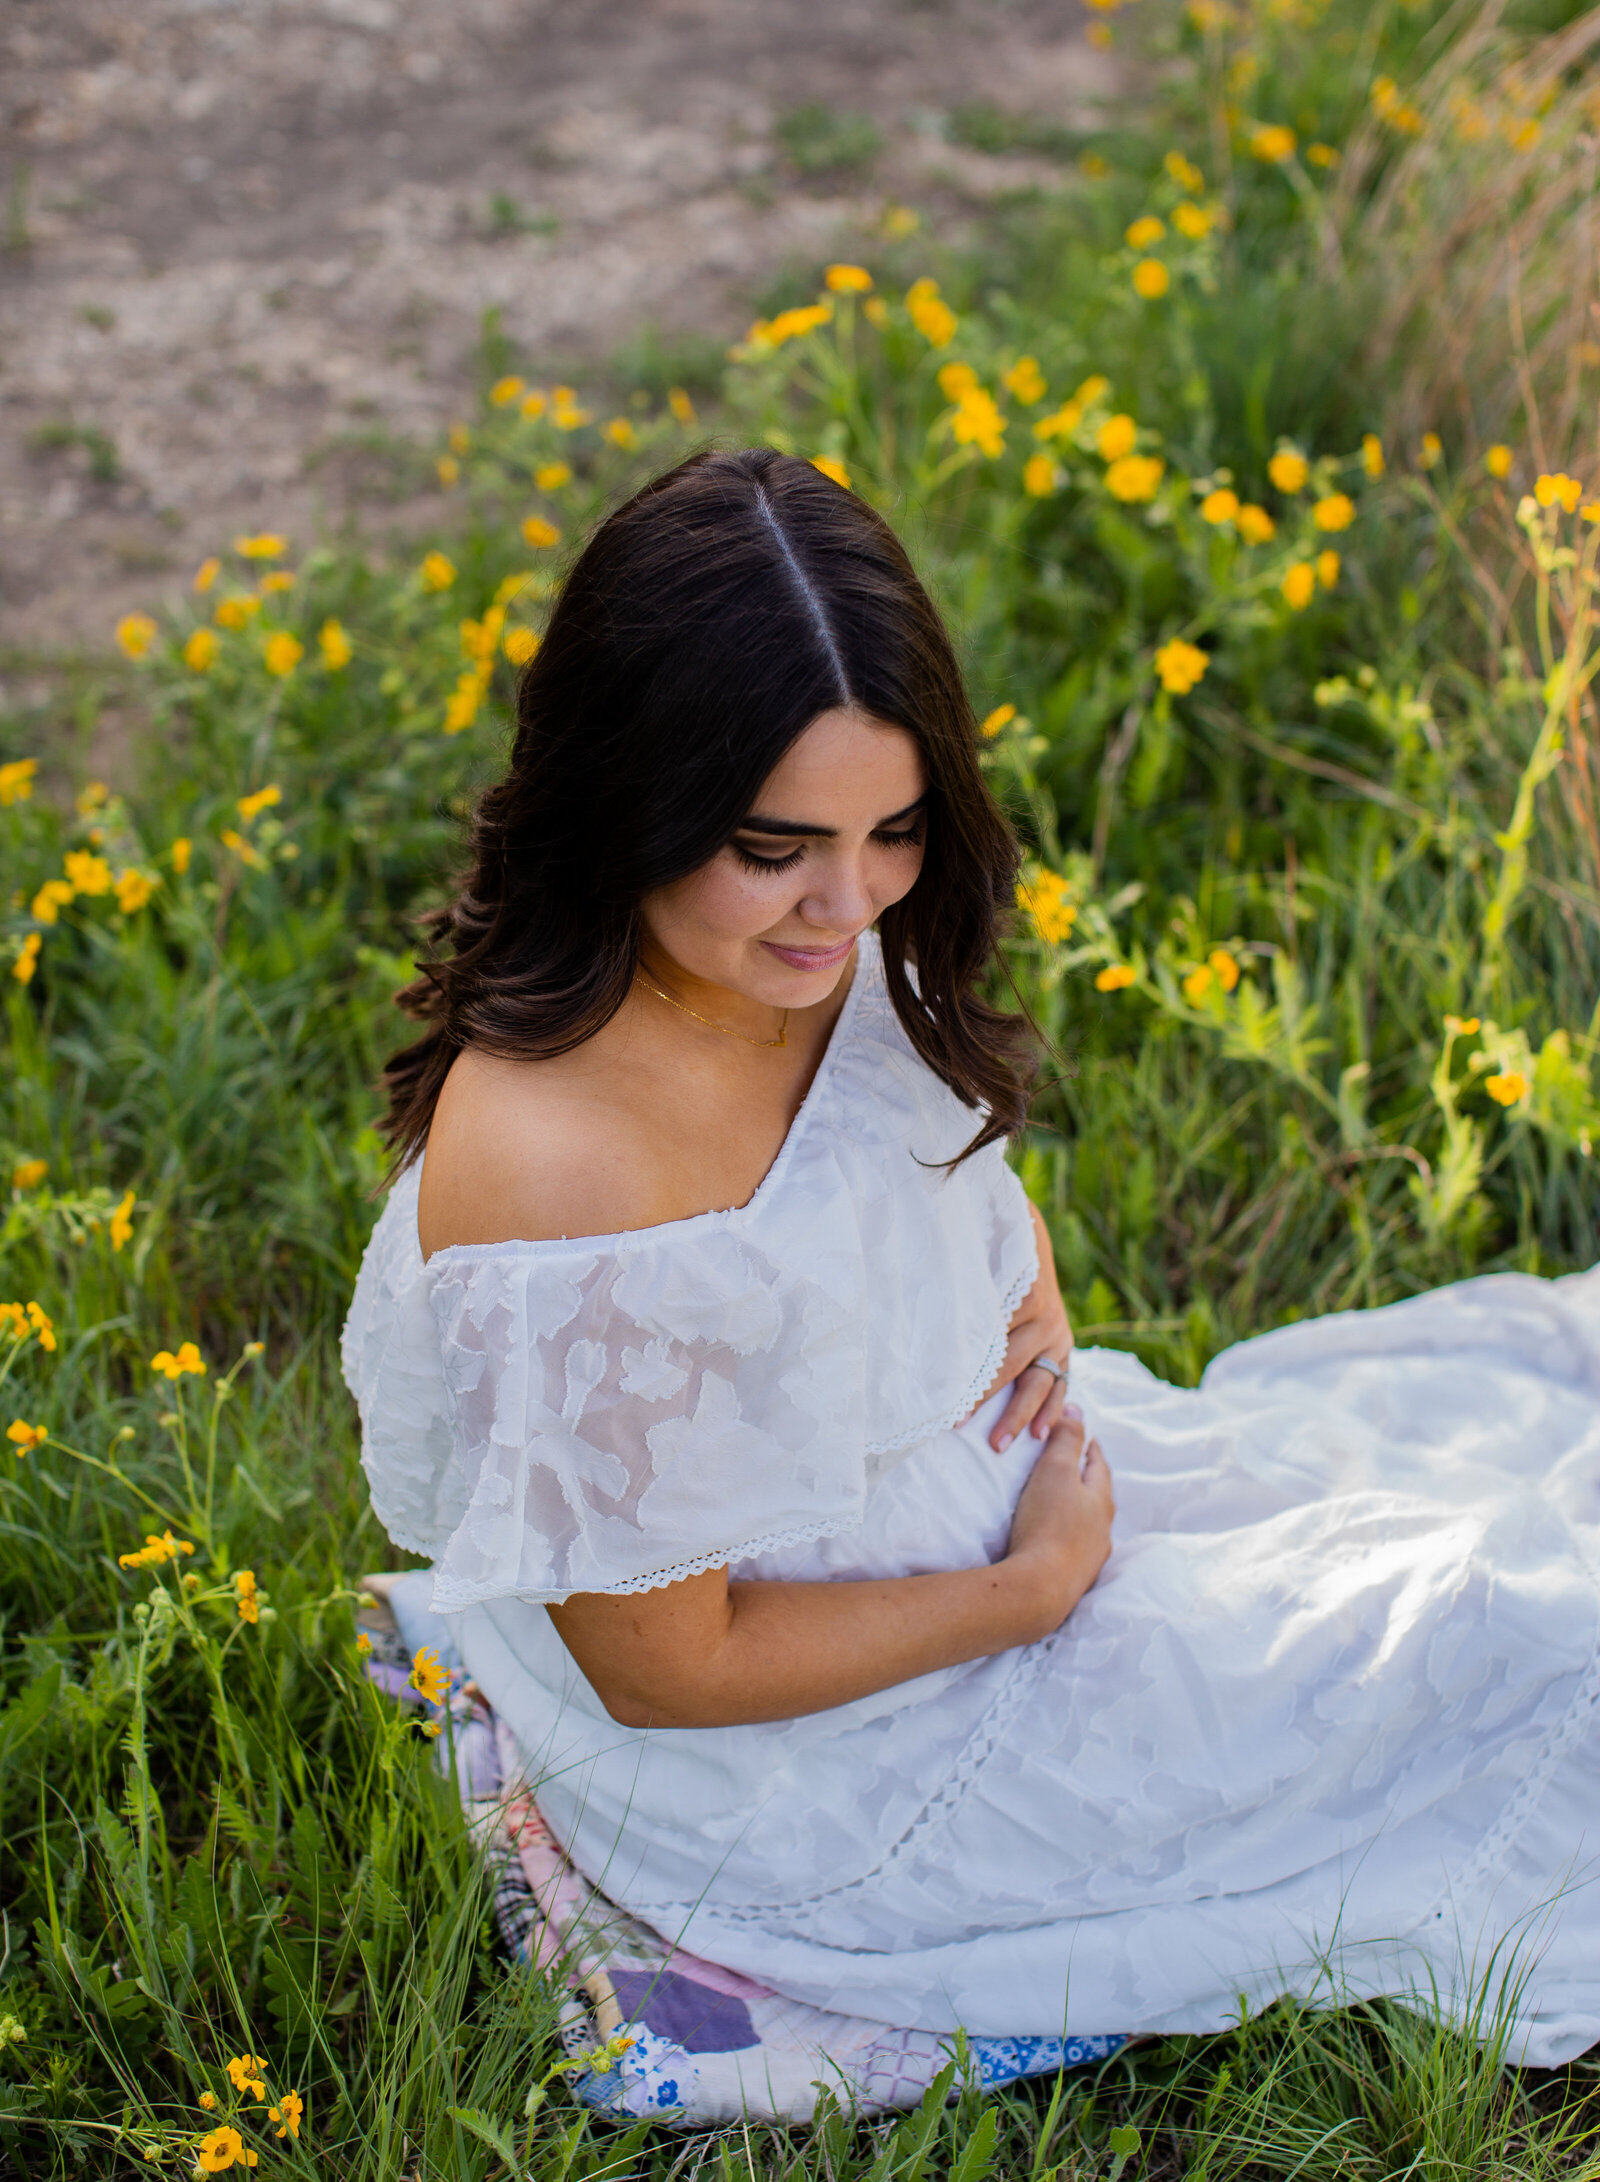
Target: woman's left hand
[1040,1328]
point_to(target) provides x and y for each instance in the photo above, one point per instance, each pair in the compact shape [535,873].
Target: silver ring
[1049,1364]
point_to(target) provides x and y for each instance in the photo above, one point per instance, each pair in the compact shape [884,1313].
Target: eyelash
[911,838]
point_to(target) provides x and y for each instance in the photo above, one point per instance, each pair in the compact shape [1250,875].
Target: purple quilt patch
[692,2016]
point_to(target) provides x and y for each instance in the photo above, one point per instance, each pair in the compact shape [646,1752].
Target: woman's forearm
[705,1652]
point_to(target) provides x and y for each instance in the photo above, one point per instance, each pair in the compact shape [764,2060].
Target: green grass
[218,1839]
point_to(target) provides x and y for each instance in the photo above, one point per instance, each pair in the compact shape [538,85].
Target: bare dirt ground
[250,243]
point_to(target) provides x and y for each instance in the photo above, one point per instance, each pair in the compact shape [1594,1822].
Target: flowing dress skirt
[1329,1721]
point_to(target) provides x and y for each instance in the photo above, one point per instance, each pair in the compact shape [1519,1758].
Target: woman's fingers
[1038,1398]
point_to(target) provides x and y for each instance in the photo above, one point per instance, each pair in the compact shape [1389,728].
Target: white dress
[1329,1721]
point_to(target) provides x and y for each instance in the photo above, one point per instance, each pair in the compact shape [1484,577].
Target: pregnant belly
[945,1503]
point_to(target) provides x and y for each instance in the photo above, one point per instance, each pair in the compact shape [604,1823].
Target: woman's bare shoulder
[531,1151]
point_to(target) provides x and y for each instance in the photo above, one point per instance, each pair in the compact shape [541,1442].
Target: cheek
[725,901]
[895,872]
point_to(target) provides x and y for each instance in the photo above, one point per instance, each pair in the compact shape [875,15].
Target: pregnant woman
[712,1353]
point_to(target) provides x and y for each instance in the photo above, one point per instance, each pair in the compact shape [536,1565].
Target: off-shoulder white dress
[1329,1720]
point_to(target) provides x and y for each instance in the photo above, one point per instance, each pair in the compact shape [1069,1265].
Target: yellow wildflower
[1521,132]
[1223,968]
[930,314]
[1272,143]
[899,221]
[155,1552]
[247,2072]
[1114,978]
[207,573]
[1322,155]
[121,1227]
[1198,983]
[505,391]
[977,422]
[428,1677]
[1299,583]
[182,850]
[333,641]
[433,1729]
[1497,460]
[1065,419]
[29,1173]
[136,633]
[1117,436]
[1327,568]
[188,1359]
[1151,279]
[1335,511]
[51,899]
[207,2100]
[1135,477]
[510,587]
[222,2148]
[1430,451]
[27,960]
[363,1644]
[1093,389]
[90,874]
[1039,476]
[533,405]
[830,466]
[956,380]
[448,471]
[251,807]
[1184,172]
[1220,506]
[1590,511]
[565,414]
[134,889]
[551,476]
[462,708]
[25,1437]
[681,406]
[237,612]
[1462,1026]
[42,1326]
[1557,488]
[279,580]
[265,546]
[1509,1089]
[1256,526]
[1044,898]
[772,333]
[200,651]
[1181,665]
[1195,221]
[1372,454]
[621,433]
[538,532]
[1002,716]
[438,572]
[244,1585]
[1288,469]
[1025,381]
[1145,230]
[16,781]
[460,439]
[847,279]
[288,2114]
[284,653]
[242,849]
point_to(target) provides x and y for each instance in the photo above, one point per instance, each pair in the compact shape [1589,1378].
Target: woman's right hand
[1061,1527]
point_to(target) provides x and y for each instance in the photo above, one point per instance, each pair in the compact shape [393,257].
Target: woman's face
[834,838]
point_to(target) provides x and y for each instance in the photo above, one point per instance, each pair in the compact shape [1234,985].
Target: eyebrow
[793,828]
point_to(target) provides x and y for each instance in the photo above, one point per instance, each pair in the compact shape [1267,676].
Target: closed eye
[895,837]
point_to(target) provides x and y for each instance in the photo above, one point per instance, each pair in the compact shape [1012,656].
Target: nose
[837,899]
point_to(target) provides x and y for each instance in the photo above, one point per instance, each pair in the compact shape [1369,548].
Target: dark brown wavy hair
[705,625]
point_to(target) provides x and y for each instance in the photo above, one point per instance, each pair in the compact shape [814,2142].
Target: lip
[811,958]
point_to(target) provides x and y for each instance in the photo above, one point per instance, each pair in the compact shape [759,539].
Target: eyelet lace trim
[448,1599]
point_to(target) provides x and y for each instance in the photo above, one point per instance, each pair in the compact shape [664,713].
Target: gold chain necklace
[763,1044]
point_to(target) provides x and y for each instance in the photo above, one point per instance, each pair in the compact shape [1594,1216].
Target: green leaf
[487,2130]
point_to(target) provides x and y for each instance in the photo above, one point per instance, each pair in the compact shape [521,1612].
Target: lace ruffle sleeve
[626,1415]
